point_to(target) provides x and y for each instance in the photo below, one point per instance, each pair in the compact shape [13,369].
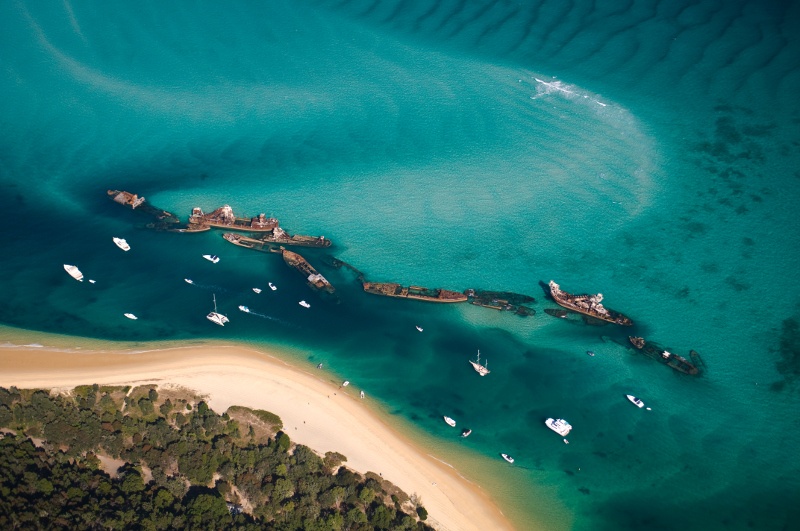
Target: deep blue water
[646,150]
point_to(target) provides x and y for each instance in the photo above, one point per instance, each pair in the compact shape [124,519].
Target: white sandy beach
[314,412]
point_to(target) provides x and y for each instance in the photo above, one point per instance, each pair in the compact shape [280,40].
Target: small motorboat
[92,281]
[74,272]
[130,316]
[244,308]
[257,290]
[590,352]
[345,383]
[507,458]
[272,286]
[122,244]
[466,432]
[211,258]
[635,401]
[560,426]
[449,421]
[188,280]
[419,328]
[319,366]
[304,304]
[362,394]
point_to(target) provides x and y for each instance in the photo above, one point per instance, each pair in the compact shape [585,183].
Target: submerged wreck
[313,278]
[502,301]
[391,289]
[140,204]
[679,363]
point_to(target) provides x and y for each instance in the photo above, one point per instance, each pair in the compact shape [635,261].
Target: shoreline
[314,411]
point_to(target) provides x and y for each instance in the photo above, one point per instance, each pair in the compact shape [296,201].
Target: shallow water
[647,151]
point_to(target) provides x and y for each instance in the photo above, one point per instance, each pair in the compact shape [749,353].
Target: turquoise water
[648,151]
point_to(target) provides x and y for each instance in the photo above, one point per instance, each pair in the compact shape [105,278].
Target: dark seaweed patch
[737,284]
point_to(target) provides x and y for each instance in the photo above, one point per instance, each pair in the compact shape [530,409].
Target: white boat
[217,318]
[272,286]
[362,394]
[304,304]
[74,272]
[345,383]
[508,458]
[244,308]
[466,432]
[419,328]
[92,281]
[122,244]
[480,369]
[560,426]
[211,258]
[635,401]
[188,280]
[130,316]
[590,352]
[257,290]
[449,421]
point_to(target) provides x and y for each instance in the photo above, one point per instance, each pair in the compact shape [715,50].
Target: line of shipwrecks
[266,235]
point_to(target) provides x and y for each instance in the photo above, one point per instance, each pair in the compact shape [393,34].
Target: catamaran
[217,318]
[480,369]
[74,272]
[122,244]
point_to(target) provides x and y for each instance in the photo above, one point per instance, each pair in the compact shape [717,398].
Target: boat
[224,218]
[656,352]
[92,281]
[211,258]
[590,305]
[590,352]
[122,244]
[319,366]
[188,280]
[272,286]
[362,394]
[313,279]
[345,383]
[244,308]
[257,290]
[466,432]
[635,401]
[304,304]
[507,458]
[480,369]
[449,421]
[560,426]
[215,317]
[392,289]
[419,328]
[130,316]
[74,272]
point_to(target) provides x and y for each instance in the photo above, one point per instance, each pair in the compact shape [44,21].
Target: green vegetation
[184,466]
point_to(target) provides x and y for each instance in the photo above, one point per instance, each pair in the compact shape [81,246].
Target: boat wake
[208,287]
[270,318]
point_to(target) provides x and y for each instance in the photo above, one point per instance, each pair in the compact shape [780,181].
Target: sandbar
[314,411]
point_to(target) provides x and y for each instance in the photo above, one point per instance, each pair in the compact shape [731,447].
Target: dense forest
[122,458]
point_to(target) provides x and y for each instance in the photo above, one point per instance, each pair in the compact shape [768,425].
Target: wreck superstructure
[590,305]
[224,218]
[313,278]
[679,363]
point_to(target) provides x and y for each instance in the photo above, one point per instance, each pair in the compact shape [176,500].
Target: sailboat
[215,317]
[480,369]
